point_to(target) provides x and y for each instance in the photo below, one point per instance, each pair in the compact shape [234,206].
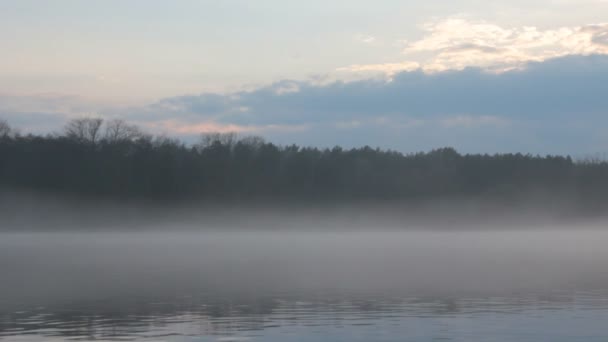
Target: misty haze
[236,170]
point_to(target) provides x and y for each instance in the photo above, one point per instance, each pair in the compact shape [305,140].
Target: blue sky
[482,76]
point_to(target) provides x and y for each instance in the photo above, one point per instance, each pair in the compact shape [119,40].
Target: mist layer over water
[295,286]
[83,264]
[131,278]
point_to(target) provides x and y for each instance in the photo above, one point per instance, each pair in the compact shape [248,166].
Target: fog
[61,252]
[30,211]
[43,268]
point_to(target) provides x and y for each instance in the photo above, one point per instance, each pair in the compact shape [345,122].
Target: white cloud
[365,38]
[387,68]
[455,43]
[287,88]
[459,43]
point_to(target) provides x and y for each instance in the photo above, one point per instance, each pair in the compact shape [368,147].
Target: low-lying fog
[84,254]
[43,267]
[21,211]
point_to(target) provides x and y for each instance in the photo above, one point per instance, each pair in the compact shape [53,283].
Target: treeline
[96,158]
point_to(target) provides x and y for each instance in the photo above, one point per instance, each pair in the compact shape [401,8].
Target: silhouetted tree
[207,140]
[127,162]
[84,129]
[5,129]
[120,131]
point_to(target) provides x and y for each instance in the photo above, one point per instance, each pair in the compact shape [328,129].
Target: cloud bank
[456,43]
[560,88]
[555,106]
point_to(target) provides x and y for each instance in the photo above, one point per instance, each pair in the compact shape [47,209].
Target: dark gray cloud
[558,89]
[556,106]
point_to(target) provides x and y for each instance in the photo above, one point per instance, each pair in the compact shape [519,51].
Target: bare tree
[209,139]
[253,141]
[119,130]
[5,129]
[84,129]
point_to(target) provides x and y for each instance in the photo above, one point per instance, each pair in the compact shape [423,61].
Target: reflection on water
[557,317]
[407,286]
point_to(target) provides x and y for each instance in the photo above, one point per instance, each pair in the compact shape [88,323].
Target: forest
[114,159]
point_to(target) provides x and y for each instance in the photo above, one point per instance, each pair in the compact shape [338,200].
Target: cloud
[554,105]
[556,88]
[176,126]
[456,43]
[557,105]
[45,113]
[387,68]
[365,38]
[460,43]
[473,121]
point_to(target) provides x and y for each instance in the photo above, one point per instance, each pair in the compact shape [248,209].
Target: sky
[481,76]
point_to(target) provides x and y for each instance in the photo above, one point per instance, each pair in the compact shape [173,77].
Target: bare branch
[5,129]
[84,129]
[253,141]
[209,139]
[118,130]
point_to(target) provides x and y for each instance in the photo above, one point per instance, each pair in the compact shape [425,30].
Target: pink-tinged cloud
[184,128]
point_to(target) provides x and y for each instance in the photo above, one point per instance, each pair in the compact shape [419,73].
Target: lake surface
[539,285]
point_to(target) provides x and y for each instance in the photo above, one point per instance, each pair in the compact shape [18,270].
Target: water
[568,317]
[542,285]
